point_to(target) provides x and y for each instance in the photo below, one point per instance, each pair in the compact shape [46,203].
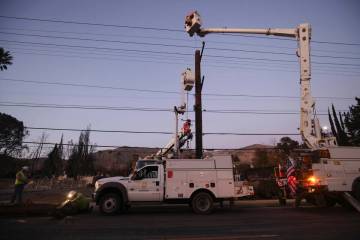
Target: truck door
[145,185]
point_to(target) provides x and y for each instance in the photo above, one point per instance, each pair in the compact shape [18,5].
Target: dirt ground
[45,191]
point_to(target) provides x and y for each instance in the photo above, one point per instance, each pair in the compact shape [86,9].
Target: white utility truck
[327,173]
[197,182]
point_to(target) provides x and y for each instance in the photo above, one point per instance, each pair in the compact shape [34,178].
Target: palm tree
[5,59]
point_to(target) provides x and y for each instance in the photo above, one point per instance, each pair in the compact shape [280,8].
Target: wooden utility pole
[198,106]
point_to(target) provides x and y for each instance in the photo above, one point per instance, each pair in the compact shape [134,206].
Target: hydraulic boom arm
[309,124]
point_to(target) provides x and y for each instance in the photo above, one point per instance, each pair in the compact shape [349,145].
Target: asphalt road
[178,222]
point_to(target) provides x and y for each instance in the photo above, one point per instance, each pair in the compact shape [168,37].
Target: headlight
[97,185]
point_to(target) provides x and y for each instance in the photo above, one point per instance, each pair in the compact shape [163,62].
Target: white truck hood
[112,179]
[102,181]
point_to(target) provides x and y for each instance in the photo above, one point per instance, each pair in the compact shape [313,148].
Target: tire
[110,204]
[202,203]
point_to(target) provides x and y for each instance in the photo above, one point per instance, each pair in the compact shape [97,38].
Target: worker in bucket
[185,133]
[22,178]
[186,127]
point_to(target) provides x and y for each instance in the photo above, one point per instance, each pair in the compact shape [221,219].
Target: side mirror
[192,23]
[137,175]
[133,176]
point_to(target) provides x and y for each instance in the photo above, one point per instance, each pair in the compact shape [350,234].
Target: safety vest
[81,202]
[20,178]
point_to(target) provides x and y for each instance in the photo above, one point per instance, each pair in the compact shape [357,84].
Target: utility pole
[198,106]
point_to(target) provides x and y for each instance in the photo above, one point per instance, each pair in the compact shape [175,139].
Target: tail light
[312,181]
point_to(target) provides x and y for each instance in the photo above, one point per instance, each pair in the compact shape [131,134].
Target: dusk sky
[131,49]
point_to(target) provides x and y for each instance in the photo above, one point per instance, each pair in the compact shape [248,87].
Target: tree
[53,165]
[352,123]
[12,133]
[5,59]
[49,164]
[35,155]
[261,159]
[287,145]
[81,160]
[338,128]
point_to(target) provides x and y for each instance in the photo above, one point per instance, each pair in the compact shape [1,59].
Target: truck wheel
[202,203]
[110,203]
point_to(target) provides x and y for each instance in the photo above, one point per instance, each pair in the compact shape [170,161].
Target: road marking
[218,237]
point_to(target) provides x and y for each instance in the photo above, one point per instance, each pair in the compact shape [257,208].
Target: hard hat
[25,168]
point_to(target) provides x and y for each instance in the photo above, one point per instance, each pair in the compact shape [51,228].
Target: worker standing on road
[21,180]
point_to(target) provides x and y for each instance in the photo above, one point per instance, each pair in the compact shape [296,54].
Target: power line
[98,48]
[102,40]
[176,53]
[337,43]
[169,38]
[156,148]
[332,71]
[160,91]
[330,68]
[54,106]
[175,45]
[92,24]
[143,109]
[157,29]
[97,130]
[89,86]
[257,112]
[160,132]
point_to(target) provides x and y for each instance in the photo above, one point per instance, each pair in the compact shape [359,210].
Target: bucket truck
[157,179]
[327,173]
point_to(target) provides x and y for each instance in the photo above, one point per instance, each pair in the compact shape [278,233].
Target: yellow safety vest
[20,178]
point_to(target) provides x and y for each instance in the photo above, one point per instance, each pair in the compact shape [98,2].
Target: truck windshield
[142,163]
[147,172]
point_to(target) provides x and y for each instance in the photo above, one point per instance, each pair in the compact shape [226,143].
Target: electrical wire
[177,53]
[327,70]
[143,109]
[161,91]
[156,148]
[156,29]
[92,24]
[176,45]
[170,38]
[159,132]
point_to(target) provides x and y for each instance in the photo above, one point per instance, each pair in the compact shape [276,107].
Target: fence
[58,183]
